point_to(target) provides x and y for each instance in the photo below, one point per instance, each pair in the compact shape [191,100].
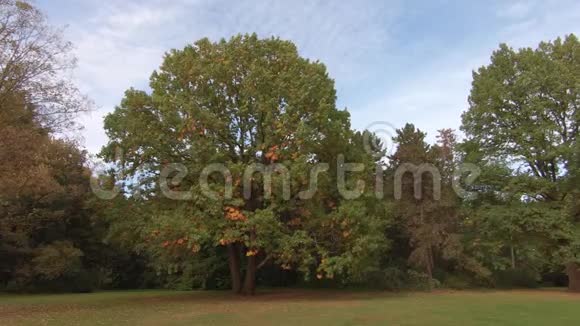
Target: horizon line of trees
[246,101]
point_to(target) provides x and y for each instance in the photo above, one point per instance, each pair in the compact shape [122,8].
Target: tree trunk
[430,263]
[573,271]
[234,264]
[513,256]
[250,281]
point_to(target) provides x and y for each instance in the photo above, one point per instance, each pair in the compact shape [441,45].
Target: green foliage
[422,281]
[248,102]
[517,234]
[523,105]
[390,278]
[517,278]
[523,109]
[459,282]
[57,259]
[240,102]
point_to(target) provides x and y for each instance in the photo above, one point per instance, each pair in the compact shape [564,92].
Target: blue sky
[393,61]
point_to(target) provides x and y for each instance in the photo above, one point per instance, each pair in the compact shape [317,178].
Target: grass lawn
[294,307]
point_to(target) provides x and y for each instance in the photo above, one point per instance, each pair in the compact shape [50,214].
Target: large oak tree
[241,102]
[524,107]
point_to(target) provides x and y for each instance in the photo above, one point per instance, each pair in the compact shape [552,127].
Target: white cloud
[121,43]
[115,54]
[435,96]
[549,20]
[431,100]
[410,76]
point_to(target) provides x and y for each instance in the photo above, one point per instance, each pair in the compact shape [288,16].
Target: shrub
[421,281]
[458,282]
[516,278]
[394,279]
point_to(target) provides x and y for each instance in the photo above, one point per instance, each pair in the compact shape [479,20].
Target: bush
[81,282]
[421,281]
[458,282]
[391,278]
[558,279]
[397,279]
[517,278]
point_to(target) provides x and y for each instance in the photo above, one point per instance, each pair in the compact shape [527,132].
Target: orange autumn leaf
[251,252]
[234,214]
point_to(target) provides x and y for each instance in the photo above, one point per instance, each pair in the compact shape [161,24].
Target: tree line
[246,101]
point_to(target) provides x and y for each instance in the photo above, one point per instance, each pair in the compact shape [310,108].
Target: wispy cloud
[515,9]
[120,43]
[435,95]
[392,60]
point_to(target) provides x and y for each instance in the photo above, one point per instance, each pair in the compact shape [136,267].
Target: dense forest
[236,169]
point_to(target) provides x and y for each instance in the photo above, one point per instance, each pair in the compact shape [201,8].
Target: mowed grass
[294,307]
